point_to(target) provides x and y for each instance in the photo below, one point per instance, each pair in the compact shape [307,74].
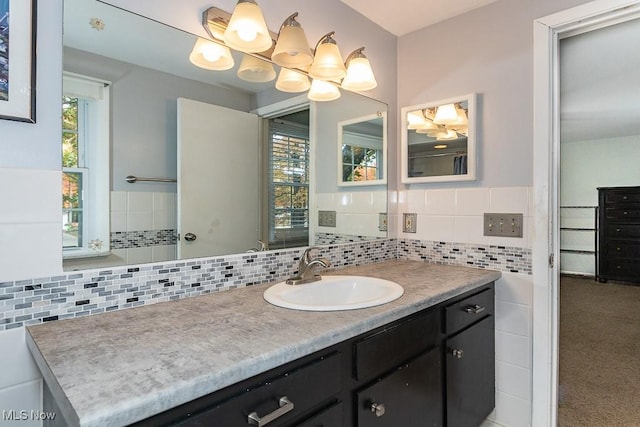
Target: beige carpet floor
[599,354]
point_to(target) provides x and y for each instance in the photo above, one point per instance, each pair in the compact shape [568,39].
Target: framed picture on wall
[17,60]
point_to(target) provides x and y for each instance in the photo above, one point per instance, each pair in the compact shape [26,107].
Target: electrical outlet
[326,218]
[503,224]
[382,221]
[409,222]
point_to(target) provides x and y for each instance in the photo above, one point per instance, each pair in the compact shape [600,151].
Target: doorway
[546,245]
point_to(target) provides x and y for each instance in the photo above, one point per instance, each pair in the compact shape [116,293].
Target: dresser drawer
[620,249]
[623,269]
[622,196]
[622,231]
[304,389]
[394,345]
[469,310]
[622,213]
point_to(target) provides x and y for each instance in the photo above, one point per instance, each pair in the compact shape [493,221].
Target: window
[85,166]
[288,183]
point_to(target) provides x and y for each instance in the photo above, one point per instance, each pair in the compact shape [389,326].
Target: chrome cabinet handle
[285,406]
[190,237]
[378,409]
[457,353]
[474,309]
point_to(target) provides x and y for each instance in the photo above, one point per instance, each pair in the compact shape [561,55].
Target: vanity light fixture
[359,73]
[256,70]
[247,31]
[323,91]
[292,81]
[327,63]
[445,114]
[211,55]
[292,48]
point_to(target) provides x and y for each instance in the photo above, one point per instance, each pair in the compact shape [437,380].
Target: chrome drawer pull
[457,353]
[474,309]
[285,406]
[378,409]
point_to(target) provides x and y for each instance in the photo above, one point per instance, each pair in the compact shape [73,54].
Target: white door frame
[546,157]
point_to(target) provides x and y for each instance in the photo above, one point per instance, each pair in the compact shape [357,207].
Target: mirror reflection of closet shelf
[438,141]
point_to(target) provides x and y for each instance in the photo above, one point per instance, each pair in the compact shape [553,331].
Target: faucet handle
[306,255]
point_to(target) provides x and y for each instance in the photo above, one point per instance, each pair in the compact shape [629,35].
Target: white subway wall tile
[164,201]
[22,397]
[28,242]
[440,202]
[514,349]
[33,195]
[469,229]
[324,201]
[163,253]
[119,201]
[139,220]
[416,202]
[514,380]
[430,227]
[139,201]
[472,201]
[17,364]
[510,200]
[139,255]
[515,288]
[343,201]
[164,220]
[380,201]
[512,411]
[513,318]
[118,221]
[361,202]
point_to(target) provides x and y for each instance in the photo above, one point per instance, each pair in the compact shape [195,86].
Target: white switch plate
[409,222]
[503,224]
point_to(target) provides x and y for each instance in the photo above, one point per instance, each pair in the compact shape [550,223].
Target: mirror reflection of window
[85,163]
[362,146]
[289,180]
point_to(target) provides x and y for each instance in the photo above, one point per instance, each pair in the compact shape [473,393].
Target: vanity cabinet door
[410,396]
[470,370]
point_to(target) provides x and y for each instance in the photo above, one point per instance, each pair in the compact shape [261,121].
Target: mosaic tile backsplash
[96,291]
[142,239]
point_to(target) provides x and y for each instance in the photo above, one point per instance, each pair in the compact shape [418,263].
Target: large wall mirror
[222,165]
[439,141]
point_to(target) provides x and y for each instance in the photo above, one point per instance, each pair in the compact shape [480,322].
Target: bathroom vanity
[232,359]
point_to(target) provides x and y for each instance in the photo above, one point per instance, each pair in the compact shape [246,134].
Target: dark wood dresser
[618,234]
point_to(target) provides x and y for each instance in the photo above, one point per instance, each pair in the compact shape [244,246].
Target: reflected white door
[218,179]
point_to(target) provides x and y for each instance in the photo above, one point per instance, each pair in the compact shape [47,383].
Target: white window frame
[95,163]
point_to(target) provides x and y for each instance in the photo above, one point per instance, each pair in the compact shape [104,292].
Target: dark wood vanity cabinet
[618,249]
[432,368]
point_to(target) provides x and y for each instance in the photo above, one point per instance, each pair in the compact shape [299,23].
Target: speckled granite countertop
[116,368]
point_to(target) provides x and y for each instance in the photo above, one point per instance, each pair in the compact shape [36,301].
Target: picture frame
[18,60]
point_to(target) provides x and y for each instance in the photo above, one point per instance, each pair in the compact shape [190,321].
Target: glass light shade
[445,114]
[447,135]
[292,48]
[255,70]
[359,75]
[427,126]
[210,55]
[415,119]
[247,31]
[323,91]
[460,120]
[292,81]
[327,64]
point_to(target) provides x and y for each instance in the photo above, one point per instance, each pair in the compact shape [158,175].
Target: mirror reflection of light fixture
[247,31]
[211,55]
[256,70]
[428,127]
[327,63]
[292,48]
[445,114]
[440,146]
[323,91]
[415,119]
[292,81]
[359,73]
[446,135]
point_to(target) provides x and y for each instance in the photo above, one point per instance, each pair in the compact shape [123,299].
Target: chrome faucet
[306,268]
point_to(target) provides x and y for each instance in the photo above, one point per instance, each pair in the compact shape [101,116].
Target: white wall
[587,165]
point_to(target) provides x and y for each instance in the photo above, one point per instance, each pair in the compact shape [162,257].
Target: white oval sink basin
[333,293]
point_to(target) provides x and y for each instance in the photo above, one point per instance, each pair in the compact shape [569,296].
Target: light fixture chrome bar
[133,179]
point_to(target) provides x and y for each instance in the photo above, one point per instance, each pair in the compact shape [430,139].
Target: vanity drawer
[304,388]
[469,310]
[395,344]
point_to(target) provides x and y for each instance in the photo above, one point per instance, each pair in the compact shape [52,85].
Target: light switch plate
[503,224]
[409,222]
[326,218]
[382,221]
